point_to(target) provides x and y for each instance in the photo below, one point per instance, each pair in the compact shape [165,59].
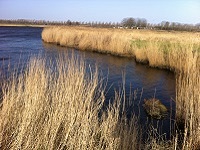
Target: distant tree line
[38,22]
[141,23]
[128,23]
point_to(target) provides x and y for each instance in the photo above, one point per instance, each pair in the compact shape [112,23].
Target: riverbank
[158,49]
[177,51]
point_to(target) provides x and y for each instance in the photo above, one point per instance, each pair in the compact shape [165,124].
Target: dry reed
[59,106]
[159,49]
[188,100]
[177,51]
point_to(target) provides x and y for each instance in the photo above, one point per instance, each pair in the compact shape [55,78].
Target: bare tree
[128,22]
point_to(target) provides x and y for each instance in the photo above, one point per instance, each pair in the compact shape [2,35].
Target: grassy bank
[177,51]
[158,48]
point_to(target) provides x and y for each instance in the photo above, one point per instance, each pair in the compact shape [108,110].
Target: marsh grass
[188,98]
[155,108]
[177,51]
[158,49]
[59,106]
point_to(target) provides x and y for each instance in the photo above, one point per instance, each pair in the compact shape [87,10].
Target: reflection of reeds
[177,51]
[50,107]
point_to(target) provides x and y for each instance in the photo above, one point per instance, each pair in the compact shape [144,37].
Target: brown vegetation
[61,108]
[177,51]
[188,103]
[155,108]
[160,49]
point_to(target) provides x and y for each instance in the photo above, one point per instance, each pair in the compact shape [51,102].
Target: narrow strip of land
[22,25]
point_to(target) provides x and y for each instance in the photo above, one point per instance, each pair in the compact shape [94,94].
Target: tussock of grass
[60,107]
[155,108]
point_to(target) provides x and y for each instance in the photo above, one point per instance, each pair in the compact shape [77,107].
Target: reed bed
[158,48]
[59,106]
[188,100]
[177,51]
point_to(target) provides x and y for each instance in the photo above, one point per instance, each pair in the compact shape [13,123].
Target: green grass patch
[139,43]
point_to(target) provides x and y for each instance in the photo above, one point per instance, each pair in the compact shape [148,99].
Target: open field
[177,51]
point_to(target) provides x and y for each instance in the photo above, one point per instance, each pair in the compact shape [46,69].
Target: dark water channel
[18,44]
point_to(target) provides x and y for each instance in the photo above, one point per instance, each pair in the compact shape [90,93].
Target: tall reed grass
[188,100]
[59,106]
[159,49]
[177,51]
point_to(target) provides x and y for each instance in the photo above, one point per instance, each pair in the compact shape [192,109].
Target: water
[18,44]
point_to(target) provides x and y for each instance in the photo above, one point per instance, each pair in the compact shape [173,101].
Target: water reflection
[160,83]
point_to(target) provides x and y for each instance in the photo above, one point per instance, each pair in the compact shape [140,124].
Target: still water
[18,44]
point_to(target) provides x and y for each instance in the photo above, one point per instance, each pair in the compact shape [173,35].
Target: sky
[155,11]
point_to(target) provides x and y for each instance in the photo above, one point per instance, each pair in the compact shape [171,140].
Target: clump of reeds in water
[155,108]
[59,106]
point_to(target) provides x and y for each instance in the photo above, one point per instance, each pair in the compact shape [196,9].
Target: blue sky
[155,11]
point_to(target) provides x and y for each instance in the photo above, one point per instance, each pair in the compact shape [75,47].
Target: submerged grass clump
[155,108]
[58,106]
